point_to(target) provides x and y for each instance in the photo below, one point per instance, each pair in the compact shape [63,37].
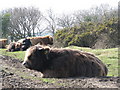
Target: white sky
[58,6]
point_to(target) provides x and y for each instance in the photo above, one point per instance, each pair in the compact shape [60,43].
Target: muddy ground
[14,75]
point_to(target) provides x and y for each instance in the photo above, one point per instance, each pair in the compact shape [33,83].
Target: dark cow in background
[63,63]
[23,44]
[20,45]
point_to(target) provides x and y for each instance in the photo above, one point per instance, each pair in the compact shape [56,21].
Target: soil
[14,75]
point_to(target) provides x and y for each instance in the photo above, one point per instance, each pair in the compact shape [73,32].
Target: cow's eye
[29,57]
[23,42]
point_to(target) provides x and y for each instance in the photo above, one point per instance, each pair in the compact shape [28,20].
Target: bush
[88,34]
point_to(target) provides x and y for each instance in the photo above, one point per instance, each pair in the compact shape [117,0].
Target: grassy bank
[18,54]
[108,56]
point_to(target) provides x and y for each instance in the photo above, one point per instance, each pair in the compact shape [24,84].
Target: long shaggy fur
[63,62]
[45,40]
[14,46]
[3,43]
[20,45]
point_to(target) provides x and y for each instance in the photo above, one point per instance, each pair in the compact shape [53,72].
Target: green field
[18,54]
[108,56]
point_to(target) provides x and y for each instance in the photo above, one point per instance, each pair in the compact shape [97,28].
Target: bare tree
[24,21]
[1,25]
[66,21]
[41,28]
[97,14]
[51,21]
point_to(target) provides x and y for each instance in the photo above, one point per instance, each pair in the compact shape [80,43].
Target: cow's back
[40,40]
[74,63]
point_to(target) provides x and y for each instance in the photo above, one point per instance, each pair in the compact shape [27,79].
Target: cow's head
[26,43]
[50,40]
[36,58]
[18,46]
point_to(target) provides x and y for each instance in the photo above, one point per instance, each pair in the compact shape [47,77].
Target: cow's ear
[40,49]
[46,51]
[51,39]
[43,50]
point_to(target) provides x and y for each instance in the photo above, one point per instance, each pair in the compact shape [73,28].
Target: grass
[108,56]
[19,54]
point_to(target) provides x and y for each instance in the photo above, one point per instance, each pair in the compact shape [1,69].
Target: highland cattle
[62,63]
[43,40]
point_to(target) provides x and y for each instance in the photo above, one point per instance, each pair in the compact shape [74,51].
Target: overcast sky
[58,6]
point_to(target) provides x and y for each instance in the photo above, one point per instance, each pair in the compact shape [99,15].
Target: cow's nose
[24,63]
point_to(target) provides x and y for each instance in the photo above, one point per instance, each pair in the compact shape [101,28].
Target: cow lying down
[43,40]
[20,45]
[63,63]
[23,44]
[13,46]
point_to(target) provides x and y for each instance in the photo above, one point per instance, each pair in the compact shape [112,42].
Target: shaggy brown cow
[20,45]
[3,43]
[14,46]
[62,63]
[41,40]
